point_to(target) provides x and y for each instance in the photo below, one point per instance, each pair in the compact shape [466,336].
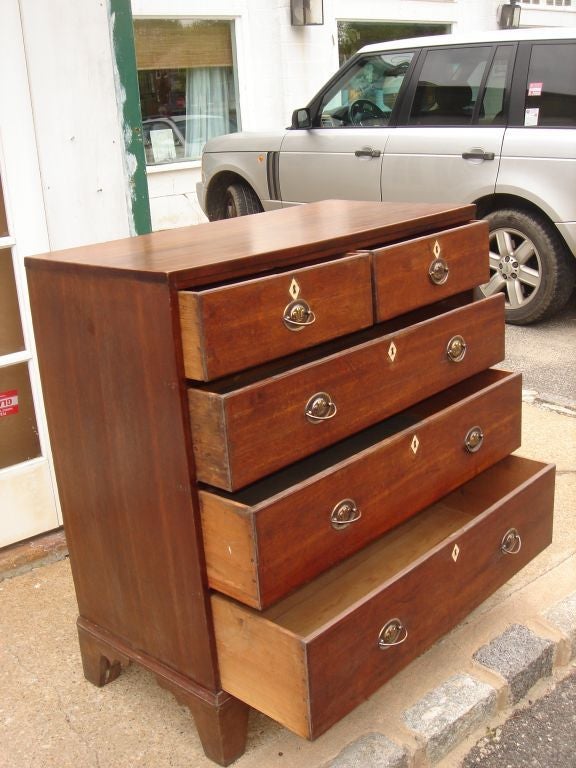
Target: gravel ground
[541,736]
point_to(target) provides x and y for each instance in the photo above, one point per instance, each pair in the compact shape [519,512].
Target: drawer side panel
[229,548]
[262,664]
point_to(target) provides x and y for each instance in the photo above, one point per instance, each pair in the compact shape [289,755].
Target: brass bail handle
[392,633]
[511,542]
[298,315]
[438,271]
[344,514]
[474,439]
[456,349]
[320,407]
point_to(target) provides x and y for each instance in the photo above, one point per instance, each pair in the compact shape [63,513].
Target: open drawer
[263,542]
[426,269]
[315,655]
[250,425]
[245,323]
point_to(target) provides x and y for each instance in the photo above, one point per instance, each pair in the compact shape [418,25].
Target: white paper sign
[531,116]
[163,147]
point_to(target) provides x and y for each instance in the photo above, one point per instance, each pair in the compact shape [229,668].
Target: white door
[28,500]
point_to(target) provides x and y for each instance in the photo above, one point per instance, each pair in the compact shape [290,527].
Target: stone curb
[520,657]
[454,710]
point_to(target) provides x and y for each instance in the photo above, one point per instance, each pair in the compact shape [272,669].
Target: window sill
[183,165]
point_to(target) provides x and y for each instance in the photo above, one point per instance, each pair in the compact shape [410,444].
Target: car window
[492,111]
[448,86]
[551,88]
[366,93]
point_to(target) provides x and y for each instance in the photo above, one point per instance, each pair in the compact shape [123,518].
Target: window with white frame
[549,3]
[188,88]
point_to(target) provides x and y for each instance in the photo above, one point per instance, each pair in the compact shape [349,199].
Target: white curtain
[207,107]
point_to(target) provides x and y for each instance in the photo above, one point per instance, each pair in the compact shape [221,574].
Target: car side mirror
[301,118]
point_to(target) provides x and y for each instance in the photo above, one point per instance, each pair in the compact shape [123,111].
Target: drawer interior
[310,608]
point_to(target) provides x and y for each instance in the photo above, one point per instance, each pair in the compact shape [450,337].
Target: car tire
[240,200]
[530,264]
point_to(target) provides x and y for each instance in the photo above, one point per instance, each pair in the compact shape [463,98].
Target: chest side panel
[114,407]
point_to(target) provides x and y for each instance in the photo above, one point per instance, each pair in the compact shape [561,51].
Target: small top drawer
[427,269]
[240,325]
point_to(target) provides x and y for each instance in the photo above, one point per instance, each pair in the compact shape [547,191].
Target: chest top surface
[195,255]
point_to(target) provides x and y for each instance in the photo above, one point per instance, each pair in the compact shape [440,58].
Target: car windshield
[367,92]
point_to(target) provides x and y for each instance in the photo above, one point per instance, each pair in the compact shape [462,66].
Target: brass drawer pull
[320,407]
[438,271]
[511,543]
[392,633]
[456,349]
[474,439]
[344,514]
[298,315]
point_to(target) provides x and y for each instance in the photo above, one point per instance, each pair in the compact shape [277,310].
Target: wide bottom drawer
[315,655]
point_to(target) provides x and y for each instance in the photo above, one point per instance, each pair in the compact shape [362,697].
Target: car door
[447,145]
[341,155]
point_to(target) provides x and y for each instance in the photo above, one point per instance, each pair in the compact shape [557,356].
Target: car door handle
[367,152]
[478,154]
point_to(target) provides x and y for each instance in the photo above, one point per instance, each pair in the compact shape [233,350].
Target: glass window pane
[551,87]
[492,111]
[448,86]
[187,86]
[18,429]
[366,94]
[11,337]
[353,35]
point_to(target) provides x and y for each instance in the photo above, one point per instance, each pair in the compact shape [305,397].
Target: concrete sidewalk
[522,636]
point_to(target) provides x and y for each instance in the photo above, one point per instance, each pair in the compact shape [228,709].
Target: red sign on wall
[8,402]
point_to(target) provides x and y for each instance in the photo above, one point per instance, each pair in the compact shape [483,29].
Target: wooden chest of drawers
[278,438]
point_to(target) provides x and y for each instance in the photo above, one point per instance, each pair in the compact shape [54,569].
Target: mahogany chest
[279,438]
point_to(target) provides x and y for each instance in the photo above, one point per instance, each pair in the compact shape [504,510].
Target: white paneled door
[28,498]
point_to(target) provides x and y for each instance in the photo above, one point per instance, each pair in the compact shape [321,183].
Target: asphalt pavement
[542,735]
[545,353]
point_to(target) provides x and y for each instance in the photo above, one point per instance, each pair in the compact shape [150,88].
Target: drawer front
[247,433]
[234,327]
[255,554]
[427,269]
[307,671]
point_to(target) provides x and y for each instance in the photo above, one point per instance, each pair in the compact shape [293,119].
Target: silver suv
[488,119]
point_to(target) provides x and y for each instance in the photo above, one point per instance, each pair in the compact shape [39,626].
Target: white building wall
[76,115]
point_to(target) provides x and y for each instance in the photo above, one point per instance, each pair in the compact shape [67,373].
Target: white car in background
[487,119]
